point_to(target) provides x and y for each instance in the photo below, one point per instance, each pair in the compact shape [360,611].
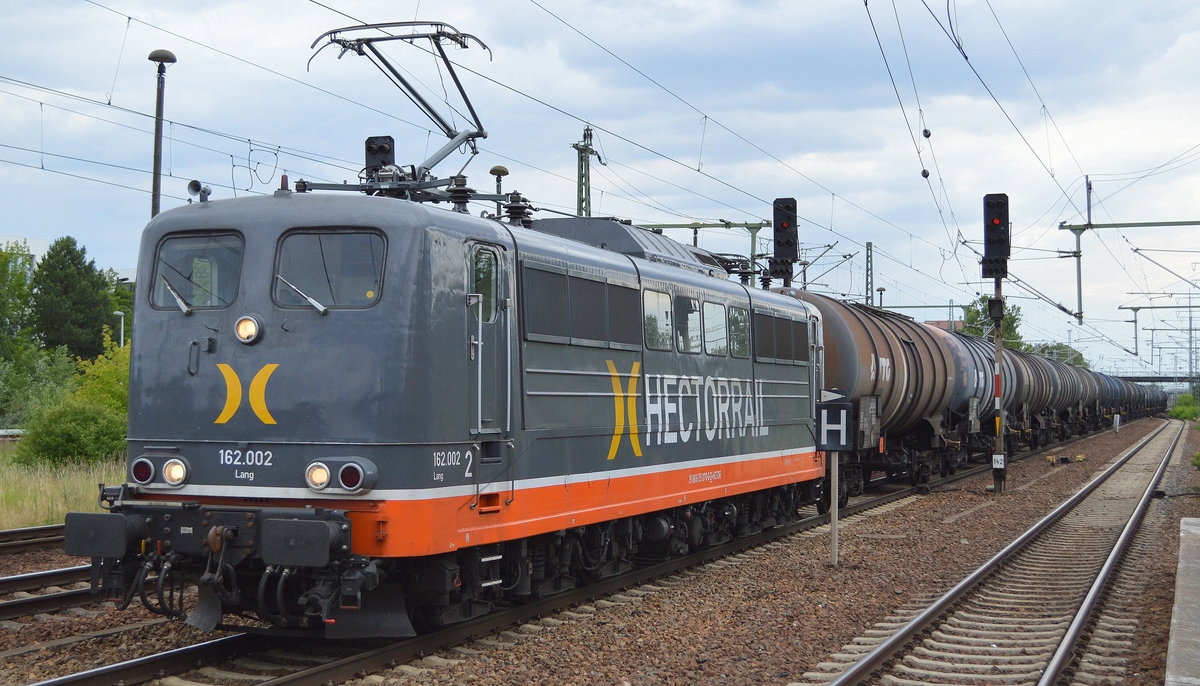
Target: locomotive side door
[489,357]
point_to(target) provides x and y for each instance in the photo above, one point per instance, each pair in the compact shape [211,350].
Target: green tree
[70,302]
[1061,352]
[16,267]
[977,322]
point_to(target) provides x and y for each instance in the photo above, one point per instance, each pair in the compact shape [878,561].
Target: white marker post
[833,507]
[833,436]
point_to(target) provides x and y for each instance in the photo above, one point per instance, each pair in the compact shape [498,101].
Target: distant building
[956,325]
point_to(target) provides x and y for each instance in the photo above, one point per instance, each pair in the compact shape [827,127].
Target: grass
[38,495]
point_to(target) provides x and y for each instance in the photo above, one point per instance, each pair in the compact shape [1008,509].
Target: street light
[121,314]
[163,58]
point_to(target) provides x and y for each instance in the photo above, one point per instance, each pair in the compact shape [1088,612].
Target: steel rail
[150,667]
[52,577]
[30,538]
[861,670]
[1065,653]
[48,602]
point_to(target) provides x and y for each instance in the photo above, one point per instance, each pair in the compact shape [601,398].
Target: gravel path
[763,619]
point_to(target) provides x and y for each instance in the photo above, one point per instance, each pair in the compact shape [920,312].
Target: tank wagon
[924,397]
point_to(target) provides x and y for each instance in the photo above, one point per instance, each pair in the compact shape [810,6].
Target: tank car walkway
[1183,652]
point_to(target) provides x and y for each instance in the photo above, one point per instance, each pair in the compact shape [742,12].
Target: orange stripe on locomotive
[403,528]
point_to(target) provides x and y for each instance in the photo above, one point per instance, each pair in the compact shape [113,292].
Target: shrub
[1196,460]
[1185,408]
[1186,412]
[72,431]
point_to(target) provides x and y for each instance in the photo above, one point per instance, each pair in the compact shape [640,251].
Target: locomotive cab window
[197,271]
[334,269]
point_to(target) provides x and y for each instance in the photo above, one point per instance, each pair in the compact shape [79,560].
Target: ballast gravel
[770,617]
[764,617]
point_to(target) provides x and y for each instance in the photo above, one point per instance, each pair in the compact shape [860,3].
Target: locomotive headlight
[317,475]
[350,476]
[142,470]
[247,329]
[174,471]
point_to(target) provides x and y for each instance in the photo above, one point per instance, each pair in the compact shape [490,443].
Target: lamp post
[121,338]
[163,58]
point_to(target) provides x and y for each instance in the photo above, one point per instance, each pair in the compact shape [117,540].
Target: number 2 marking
[469,460]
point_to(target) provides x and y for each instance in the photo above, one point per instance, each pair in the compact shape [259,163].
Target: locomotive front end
[268,391]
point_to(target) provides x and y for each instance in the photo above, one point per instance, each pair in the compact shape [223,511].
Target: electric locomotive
[361,413]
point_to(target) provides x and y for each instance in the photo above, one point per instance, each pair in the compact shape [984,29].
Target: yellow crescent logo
[629,409]
[258,393]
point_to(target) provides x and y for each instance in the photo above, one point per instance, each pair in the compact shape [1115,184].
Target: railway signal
[996,249]
[787,243]
[996,243]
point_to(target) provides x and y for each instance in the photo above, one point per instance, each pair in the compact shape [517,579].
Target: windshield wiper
[311,300]
[187,309]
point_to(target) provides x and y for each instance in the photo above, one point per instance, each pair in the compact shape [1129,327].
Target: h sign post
[834,416]
[833,426]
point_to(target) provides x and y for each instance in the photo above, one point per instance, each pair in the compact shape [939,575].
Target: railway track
[37,580]
[31,538]
[270,661]
[265,660]
[1020,617]
[54,598]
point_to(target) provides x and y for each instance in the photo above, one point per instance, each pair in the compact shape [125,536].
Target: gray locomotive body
[357,412]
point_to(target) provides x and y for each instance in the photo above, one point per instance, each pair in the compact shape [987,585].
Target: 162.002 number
[250,458]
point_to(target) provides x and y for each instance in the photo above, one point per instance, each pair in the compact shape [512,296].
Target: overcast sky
[702,110]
